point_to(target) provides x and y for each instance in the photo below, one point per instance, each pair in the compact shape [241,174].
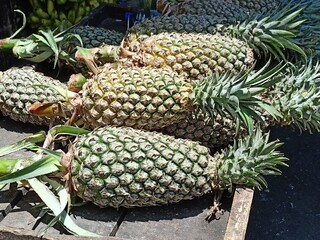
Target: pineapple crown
[269,32]
[248,160]
[236,95]
[307,34]
[297,95]
[42,46]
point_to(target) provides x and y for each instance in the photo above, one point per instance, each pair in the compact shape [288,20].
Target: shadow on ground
[290,208]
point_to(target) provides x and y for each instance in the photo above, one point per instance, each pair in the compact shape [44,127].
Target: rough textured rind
[194,56]
[228,9]
[135,97]
[212,134]
[18,91]
[122,167]
[95,36]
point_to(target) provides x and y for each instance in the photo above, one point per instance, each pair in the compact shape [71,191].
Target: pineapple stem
[215,208]
[94,57]
[76,82]
[7,44]
[8,166]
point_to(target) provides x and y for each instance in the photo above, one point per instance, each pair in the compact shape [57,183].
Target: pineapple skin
[257,6]
[193,56]
[122,167]
[212,134]
[94,36]
[181,24]
[135,97]
[228,9]
[18,91]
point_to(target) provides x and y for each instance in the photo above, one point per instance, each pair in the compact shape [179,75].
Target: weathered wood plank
[239,216]
[9,197]
[92,218]
[183,220]
[9,233]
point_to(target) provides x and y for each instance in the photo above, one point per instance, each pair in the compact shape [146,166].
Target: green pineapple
[295,97]
[228,9]
[123,167]
[213,134]
[20,88]
[154,169]
[95,36]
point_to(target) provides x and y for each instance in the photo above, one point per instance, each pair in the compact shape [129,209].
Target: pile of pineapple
[178,108]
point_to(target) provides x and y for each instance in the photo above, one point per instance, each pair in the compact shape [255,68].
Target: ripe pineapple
[194,56]
[135,97]
[20,88]
[170,42]
[147,98]
[265,35]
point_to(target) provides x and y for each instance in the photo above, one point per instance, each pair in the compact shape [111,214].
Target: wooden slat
[10,233]
[89,217]
[9,197]
[239,216]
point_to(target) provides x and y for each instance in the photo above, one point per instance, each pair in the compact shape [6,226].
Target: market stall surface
[289,209]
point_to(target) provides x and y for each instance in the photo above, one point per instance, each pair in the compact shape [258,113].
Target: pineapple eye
[91,141]
[99,148]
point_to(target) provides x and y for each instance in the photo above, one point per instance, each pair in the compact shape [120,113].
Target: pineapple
[20,88]
[295,97]
[123,167]
[257,6]
[194,56]
[94,36]
[228,9]
[265,35]
[147,98]
[196,46]
[213,134]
